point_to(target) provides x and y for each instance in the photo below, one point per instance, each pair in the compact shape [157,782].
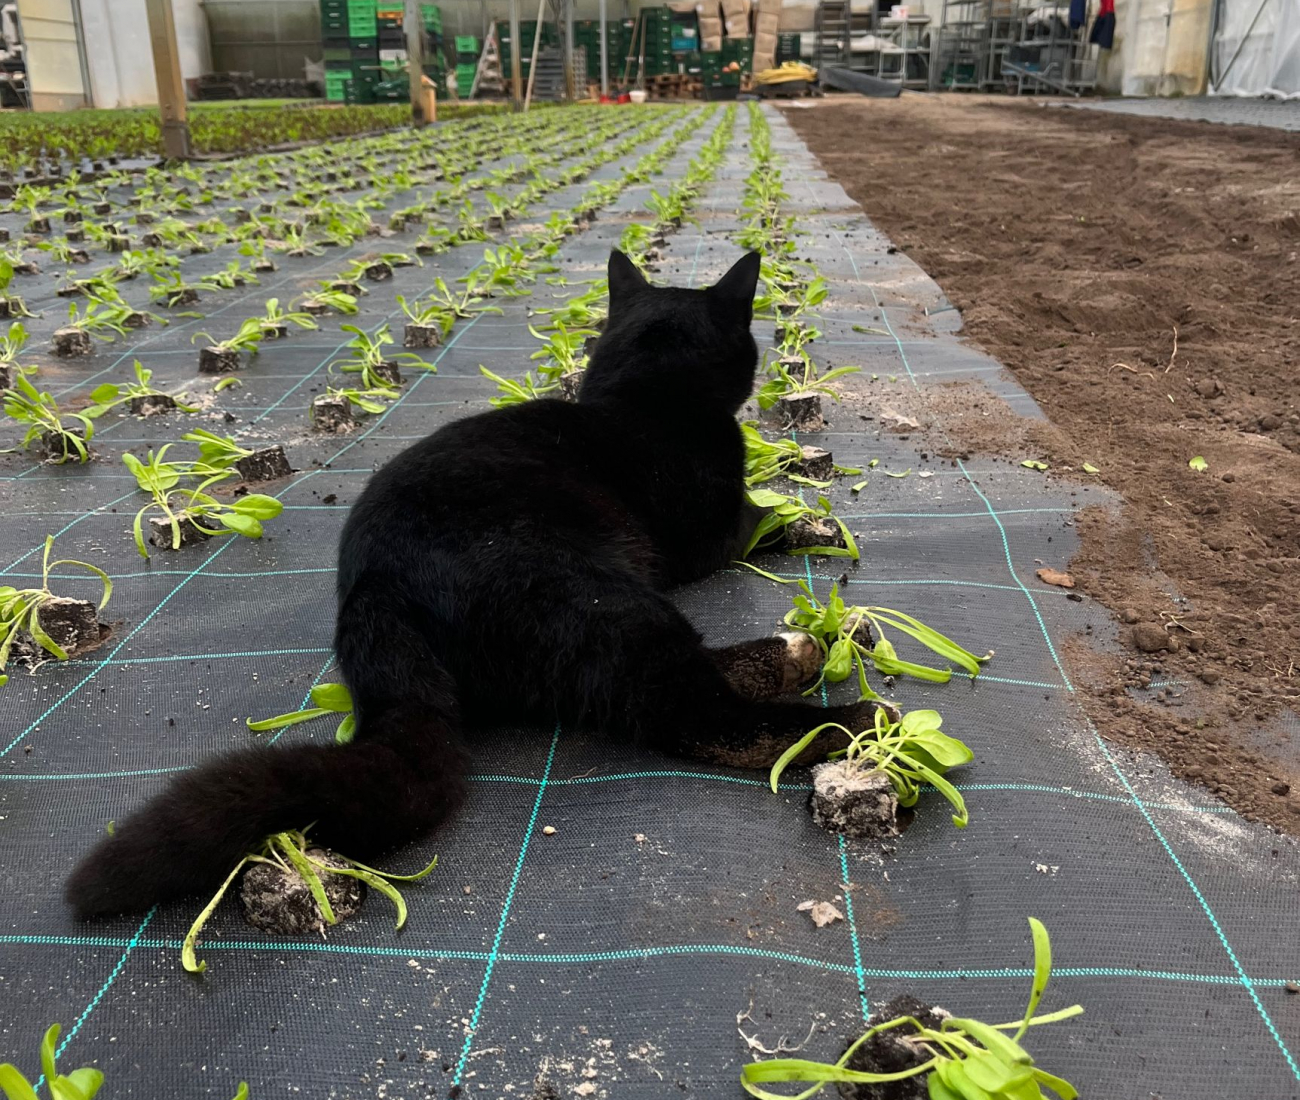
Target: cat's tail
[401,776]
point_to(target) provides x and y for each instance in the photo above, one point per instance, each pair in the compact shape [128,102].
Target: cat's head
[673,347]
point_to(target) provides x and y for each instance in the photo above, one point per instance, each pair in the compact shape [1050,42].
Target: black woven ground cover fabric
[613,955]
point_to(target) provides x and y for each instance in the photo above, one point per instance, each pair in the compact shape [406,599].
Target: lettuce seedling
[290,852]
[516,393]
[376,367]
[275,321]
[140,393]
[194,507]
[798,374]
[768,459]
[970,1060]
[80,1084]
[785,511]
[328,699]
[40,412]
[844,633]
[20,608]
[910,750]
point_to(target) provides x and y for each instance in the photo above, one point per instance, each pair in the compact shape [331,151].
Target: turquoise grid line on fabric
[130,946]
[641,954]
[505,911]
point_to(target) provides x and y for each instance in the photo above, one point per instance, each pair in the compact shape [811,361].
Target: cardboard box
[735,15]
[764,51]
[711,25]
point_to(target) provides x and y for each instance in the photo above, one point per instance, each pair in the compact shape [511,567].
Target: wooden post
[413,25]
[537,42]
[516,82]
[167,71]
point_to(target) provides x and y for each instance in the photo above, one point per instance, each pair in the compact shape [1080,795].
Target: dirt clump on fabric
[1141,279]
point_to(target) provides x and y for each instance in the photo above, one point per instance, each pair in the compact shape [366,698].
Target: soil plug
[218,360]
[151,404]
[266,464]
[800,411]
[35,622]
[817,464]
[163,535]
[570,384]
[278,899]
[812,532]
[894,1051]
[421,336]
[850,800]
[71,342]
[331,413]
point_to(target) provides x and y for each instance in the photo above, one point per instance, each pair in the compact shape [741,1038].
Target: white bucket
[636,95]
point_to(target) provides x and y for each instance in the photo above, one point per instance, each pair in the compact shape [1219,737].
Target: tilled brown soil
[1078,245]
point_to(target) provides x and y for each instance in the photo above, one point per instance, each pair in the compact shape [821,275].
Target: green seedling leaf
[293,718]
[306,868]
[858,487]
[241,524]
[334,697]
[1089,468]
[226,383]
[1198,464]
[903,474]
[787,758]
[1034,464]
[258,505]
[191,964]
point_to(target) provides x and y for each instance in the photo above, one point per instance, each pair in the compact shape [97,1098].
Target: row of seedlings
[909,1049]
[570,331]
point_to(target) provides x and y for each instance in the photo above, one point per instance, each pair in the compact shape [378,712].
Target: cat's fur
[512,567]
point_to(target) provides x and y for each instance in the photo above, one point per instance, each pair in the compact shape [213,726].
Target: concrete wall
[119,56]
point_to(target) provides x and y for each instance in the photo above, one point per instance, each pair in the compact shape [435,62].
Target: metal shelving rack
[1058,61]
[989,45]
[959,46]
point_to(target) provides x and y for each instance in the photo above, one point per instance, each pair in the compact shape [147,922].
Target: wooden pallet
[674,86]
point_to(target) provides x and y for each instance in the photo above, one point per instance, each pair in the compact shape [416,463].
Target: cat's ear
[738,284]
[624,279]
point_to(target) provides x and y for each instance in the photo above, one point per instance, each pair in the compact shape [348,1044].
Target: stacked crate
[618,38]
[364,44]
[657,34]
[467,51]
[527,35]
[349,33]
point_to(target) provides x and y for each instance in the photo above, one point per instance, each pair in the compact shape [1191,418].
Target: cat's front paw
[803,660]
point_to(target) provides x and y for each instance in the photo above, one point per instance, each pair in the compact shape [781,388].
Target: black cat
[512,567]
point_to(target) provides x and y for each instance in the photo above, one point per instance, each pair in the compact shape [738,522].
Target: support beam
[566,29]
[413,26]
[167,71]
[516,83]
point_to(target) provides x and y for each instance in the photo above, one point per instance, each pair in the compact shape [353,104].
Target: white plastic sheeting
[1256,49]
